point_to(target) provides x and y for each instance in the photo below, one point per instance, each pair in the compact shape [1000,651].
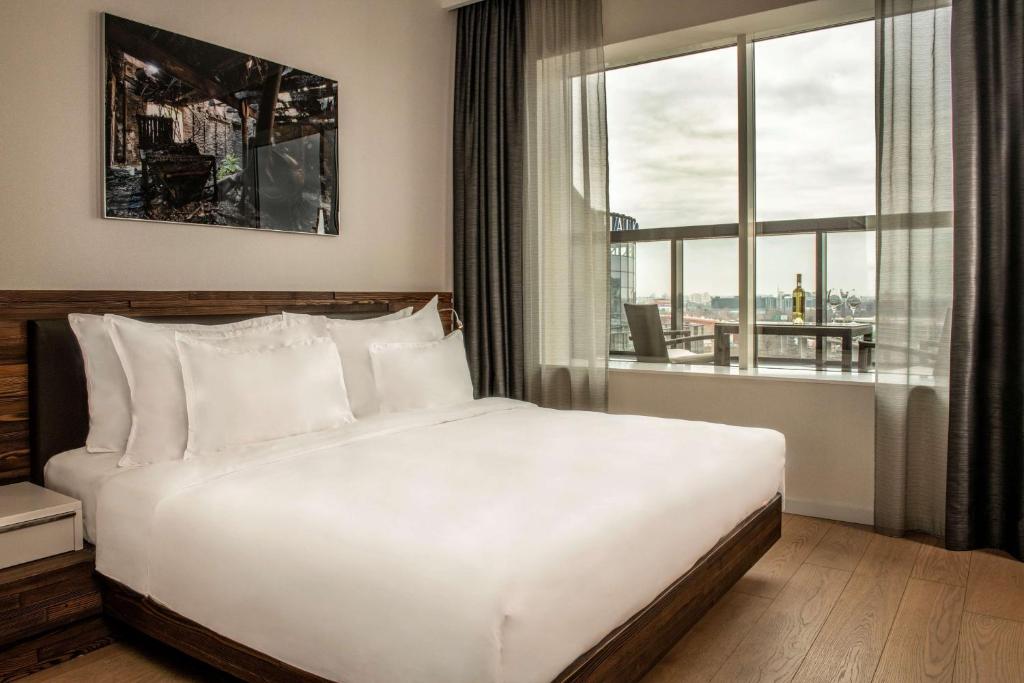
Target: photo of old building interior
[188,127]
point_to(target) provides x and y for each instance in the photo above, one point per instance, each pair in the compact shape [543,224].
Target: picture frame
[197,133]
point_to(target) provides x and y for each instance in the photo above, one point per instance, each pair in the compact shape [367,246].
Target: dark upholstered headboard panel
[58,413]
[58,410]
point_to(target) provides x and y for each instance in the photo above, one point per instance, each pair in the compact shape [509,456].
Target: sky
[672,154]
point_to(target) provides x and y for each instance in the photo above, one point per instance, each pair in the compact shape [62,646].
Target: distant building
[622,281]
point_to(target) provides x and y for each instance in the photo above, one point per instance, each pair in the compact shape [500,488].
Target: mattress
[492,541]
[81,474]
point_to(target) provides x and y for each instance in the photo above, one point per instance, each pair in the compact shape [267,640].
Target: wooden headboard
[17,307]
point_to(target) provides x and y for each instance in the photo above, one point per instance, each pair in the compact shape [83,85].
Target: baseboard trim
[826,510]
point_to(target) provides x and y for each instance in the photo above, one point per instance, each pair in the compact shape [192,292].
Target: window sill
[776,374]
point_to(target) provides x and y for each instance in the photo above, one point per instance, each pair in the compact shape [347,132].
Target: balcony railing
[819,227]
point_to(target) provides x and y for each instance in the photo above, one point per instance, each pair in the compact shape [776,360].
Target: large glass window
[672,152]
[672,140]
[815,121]
[815,159]
[673,135]
[850,272]
[640,272]
[849,282]
[654,275]
[780,259]
[710,292]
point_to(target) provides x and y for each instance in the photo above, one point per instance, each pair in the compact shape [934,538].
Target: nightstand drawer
[37,538]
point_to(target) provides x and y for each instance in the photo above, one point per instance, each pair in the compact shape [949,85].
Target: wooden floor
[836,602]
[829,602]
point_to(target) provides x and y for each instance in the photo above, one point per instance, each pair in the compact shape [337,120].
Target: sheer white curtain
[915,264]
[565,213]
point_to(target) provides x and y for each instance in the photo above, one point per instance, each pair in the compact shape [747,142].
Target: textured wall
[393,62]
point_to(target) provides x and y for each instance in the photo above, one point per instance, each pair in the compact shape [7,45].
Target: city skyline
[716,269]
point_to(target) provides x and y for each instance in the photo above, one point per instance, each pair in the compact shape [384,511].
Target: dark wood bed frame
[624,655]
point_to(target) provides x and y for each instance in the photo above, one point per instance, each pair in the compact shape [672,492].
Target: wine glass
[853,302]
[834,302]
[845,295]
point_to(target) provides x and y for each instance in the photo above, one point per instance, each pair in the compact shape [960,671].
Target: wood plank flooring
[830,602]
[135,659]
[837,602]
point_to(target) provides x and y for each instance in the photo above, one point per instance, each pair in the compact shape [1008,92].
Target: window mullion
[747,225]
[820,257]
[678,307]
[673,286]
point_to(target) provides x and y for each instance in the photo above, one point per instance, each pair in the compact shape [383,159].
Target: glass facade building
[622,281]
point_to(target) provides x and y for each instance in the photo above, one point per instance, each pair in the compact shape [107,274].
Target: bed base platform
[624,655]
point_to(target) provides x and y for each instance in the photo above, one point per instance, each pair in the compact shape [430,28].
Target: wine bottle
[798,301]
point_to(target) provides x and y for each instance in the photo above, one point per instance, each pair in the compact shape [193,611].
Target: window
[850,267]
[673,136]
[815,160]
[815,122]
[654,276]
[672,163]
[640,273]
[850,274]
[672,140]
[622,283]
[710,292]
[780,258]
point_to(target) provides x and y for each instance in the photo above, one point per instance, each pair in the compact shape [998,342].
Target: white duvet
[494,541]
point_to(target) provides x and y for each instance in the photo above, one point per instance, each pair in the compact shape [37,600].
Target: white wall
[630,19]
[393,62]
[829,429]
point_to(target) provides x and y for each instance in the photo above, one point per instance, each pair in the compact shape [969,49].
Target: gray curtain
[915,260]
[565,217]
[986,433]
[488,193]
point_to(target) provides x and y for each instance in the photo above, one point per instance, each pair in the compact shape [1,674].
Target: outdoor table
[845,332]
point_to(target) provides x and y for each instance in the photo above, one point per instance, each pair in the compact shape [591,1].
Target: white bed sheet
[80,474]
[493,541]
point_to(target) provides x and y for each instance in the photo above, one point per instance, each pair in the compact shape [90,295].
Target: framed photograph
[196,133]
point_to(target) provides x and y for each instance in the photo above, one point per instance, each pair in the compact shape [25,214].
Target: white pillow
[321,320]
[417,375]
[159,430]
[237,396]
[110,408]
[354,337]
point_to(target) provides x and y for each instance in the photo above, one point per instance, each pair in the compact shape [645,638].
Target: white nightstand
[37,523]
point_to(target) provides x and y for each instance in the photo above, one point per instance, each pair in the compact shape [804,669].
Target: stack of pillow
[162,392]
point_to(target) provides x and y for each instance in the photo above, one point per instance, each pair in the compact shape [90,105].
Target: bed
[491,540]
